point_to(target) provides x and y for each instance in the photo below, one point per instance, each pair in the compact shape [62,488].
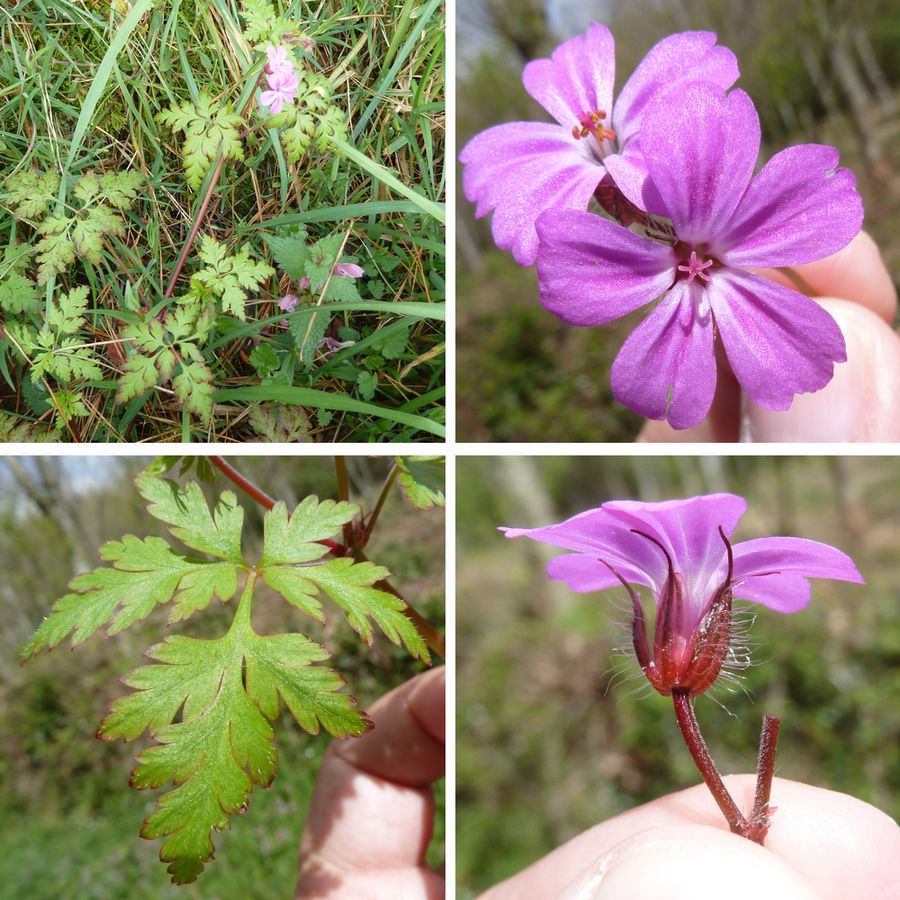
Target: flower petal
[773,571]
[689,530]
[585,574]
[519,170]
[778,342]
[801,207]
[667,367]
[577,79]
[675,61]
[592,271]
[629,171]
[600,537]
[700,148]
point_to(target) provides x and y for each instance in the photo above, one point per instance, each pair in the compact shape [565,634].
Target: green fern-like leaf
[210,129]
[208,704]
[229,277]
[31,192]
[17,292]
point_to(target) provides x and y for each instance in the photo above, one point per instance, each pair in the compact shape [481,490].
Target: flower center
[696,267]
[589,124]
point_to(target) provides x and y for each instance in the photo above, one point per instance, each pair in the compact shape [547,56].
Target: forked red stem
[757,826]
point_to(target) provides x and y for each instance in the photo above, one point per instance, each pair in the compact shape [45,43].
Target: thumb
[689,862]
[861,402]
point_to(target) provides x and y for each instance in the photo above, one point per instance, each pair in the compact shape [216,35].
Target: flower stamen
[695,267]
[589,124]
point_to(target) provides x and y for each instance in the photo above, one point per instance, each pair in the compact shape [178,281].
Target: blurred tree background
[70,819]
[558,730]
[822,71]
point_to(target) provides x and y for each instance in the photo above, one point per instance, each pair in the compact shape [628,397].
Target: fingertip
[689,862]
[427,702]
[860,403]
[856,273]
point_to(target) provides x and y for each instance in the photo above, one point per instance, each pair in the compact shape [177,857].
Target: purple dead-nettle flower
[700,148]
[522,168]
[682,551]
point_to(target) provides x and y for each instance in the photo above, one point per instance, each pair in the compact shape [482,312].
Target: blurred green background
[822,71]
[557,731]
[70,821]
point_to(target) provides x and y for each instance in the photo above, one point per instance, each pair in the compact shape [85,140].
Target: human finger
[861,402]
[372,811]
[840,845]
[856,273]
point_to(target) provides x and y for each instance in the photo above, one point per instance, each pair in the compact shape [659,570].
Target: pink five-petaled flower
[682,551]
[700,148]
[522,168]
[283,84]
[278,60]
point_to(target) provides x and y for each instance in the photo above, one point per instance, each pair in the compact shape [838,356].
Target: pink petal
[277,56]
[577,79]
[288,302]
[700,148]
[667,367]
[592,271]
[584,573]
[799,208]
[674,62]
[778,342]
[268,98]
[629,171]
[277,103]
[350,270]
[519,170]
[773,571]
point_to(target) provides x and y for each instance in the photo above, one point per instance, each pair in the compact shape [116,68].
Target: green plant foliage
[290,252]
[315,264]
[228,277]
[209,129]
[422,480]
[280,423]
[31,192]
[65,234]
[264,26]
[312,120]
[208,703]
[13,429]
[17,292]
[54,350]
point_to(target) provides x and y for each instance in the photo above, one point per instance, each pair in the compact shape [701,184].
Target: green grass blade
[279,393]
[380,173]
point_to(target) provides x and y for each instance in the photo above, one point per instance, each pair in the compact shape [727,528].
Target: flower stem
[385,490]
[758,826]
[687,721]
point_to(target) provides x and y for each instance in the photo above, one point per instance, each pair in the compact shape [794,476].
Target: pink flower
[278,60]
[288,302]
[682,551]
[351,270]
[283,86]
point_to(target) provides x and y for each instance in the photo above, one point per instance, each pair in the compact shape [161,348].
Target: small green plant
[78,229]
[209,704]
[209,128]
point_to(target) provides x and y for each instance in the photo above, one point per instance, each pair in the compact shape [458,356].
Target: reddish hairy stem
[687,721]
[765,771]
[196,227]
